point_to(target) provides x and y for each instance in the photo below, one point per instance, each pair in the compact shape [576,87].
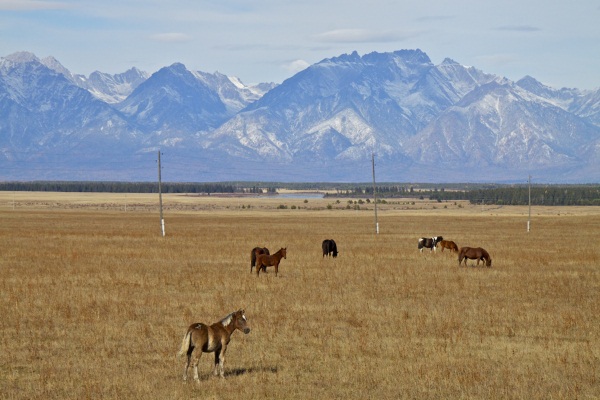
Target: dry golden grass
[94,302]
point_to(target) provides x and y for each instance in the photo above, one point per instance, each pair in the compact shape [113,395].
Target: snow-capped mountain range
[422,122]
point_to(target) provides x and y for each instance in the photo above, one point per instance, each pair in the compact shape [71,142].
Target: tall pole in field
[529,217]
[162,221]
[375,193]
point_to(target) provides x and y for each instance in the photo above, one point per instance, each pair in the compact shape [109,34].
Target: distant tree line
[132,187]
[405,191]
[549,195]
[554,195]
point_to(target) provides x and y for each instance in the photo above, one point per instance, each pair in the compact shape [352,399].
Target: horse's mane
[227,320]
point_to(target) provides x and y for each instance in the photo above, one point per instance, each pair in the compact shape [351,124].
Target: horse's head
[284,252]
[241,322]
[488,262]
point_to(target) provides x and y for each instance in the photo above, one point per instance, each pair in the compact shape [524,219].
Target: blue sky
[556,42]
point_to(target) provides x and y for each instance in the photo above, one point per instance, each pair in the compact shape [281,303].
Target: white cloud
[296,66]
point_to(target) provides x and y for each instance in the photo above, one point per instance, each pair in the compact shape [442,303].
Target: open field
[94,302]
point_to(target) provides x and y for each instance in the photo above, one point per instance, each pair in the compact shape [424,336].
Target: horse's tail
[253,258]
[185,343]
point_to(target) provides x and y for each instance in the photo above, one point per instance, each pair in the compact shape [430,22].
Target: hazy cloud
[31,5]
[434,18]
[518,28]
[171,37]
[497,59]
[362,36]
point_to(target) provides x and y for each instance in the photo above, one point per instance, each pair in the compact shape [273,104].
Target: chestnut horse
[474,253]
[214,338]
[256,251]
[448,244]
[267,260]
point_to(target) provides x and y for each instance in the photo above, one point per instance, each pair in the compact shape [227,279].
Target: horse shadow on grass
[251,370]
[242,371]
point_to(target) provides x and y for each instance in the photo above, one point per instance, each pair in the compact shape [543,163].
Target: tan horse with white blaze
[208,339]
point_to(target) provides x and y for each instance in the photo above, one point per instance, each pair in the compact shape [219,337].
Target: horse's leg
[276,268]
[187,366]
[195,356]
[216,370]
[219,361]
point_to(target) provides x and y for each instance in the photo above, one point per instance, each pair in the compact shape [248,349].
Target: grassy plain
[94,301]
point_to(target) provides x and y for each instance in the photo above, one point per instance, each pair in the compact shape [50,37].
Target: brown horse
[214,338]
[474,253]
[256,251]
[448,244]
[267,260]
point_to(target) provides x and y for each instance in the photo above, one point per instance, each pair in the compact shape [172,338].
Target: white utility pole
[529,218]
[375,193]
[162,221]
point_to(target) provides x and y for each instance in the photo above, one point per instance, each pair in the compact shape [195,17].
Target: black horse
[255,252]
[329,248]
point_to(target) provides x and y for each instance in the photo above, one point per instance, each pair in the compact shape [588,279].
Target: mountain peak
[449,61]
[22,57]
[56,66]
[178,67]
[416,55]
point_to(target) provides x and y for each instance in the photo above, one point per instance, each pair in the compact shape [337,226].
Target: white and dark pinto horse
[429,243]
[201,338]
